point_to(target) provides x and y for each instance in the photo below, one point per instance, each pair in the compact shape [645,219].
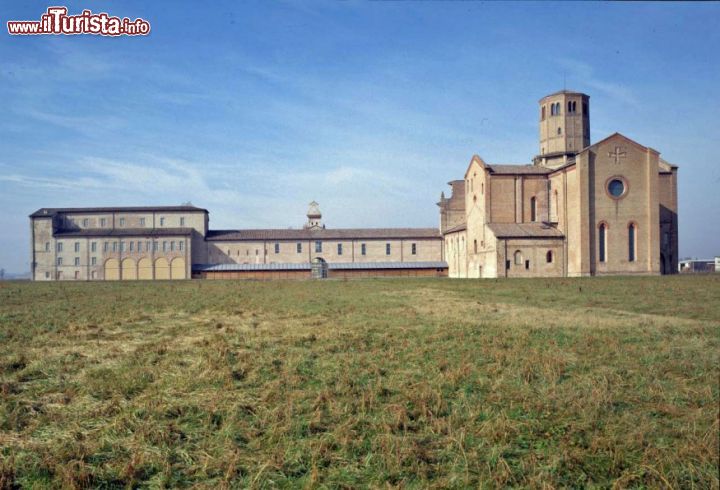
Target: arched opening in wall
[112,270]
[145,270]
[533,208]
[559,131]
[549,257]
[554,216]
[542,113]
[162,268]
[632,249]
[475,246]
[517,257]
[602,242]
[129,272]
[177,268]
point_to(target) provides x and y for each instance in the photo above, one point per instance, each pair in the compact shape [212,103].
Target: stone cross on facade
[617,154]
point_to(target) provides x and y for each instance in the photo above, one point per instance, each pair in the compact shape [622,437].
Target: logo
[57,21]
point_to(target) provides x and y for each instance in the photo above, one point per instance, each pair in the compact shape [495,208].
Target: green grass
[607,382]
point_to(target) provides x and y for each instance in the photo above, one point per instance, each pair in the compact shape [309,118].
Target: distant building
[577,210]
[174,242]
[699,265]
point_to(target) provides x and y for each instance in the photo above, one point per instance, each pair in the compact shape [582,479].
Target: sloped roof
[565,92]
[139,232]
[524,230]
[519,169]
[331,266]
[322,234]
[460,227]
[49,212]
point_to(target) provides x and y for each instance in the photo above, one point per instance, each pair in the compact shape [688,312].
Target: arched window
[549,257]
[542,113]
[559,131]
[602,242]
[518,257]
[569,107]
[533,209]
[632,229]
[475,245]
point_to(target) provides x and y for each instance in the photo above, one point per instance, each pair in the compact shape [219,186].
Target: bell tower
[564,127]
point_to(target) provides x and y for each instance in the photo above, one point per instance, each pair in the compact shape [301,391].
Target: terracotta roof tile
[322,234]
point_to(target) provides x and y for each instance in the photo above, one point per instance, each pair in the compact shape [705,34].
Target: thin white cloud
[585,72]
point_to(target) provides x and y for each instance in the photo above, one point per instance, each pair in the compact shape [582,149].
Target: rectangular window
[182,244]
[162,221]
[77,246]
[172,246]
[601,242]
[299,247]
[59,261]
[59,247]
[77,261]
[132,244]
[47,275]
[507,265]
[77,274]
[47,246]
[155,246]
[103,222]
[527,265]
[257,252]
[142,221]
[277,248]
[631,243]
[114,245]
[139,246]
[318,246]
[363,249]
[147,246]
[339,248]
[93,247]
[164,246]
[122,246]
[85,223]
[93,260]
[105,247]
[122,221]
[414,249]
[182,221]
[387,249]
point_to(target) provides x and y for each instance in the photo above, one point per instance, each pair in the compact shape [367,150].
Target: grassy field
[606,382]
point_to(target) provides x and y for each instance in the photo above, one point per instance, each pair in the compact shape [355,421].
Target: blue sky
[253,109]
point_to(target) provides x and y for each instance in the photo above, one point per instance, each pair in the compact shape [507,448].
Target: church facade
[579,209]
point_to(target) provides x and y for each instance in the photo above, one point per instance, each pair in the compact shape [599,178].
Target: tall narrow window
[548,257]
[318,246]
[93,247]
[103,222]
[182,221]
[47,246]
[162,221]
[85,223]
[602,242]
[542,113]
[533,209]
[59,247]
[142,221]
[339,248]
[77,246]
[277,248]
[414,249]
[181,245]
[387,249]
[122,221]
[518,257]
[363,249]
[77,261]
[299,247]
[475,246]
[631,242]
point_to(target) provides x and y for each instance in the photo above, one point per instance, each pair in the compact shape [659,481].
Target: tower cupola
[314,216]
